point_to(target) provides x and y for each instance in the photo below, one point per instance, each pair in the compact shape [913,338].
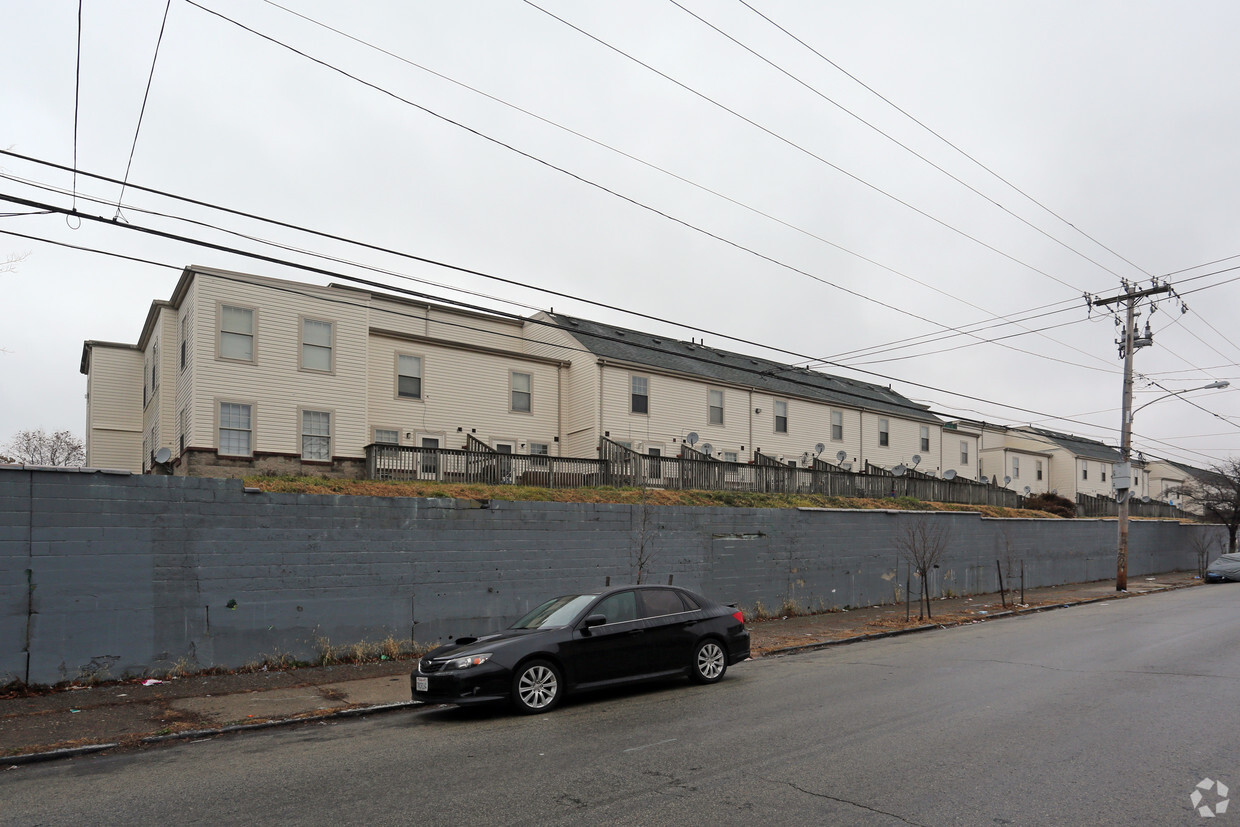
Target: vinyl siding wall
[905,441]
[185,376]
[114,409]
[579,426]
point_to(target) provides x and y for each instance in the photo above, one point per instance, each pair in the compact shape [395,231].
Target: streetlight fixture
[1223,383]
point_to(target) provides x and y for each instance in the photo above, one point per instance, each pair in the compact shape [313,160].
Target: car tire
[709,663]
[537,687]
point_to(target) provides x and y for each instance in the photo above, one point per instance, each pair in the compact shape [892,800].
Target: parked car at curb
[1226,567]
[579,642]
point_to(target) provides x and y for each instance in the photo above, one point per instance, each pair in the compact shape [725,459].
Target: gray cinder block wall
[108,575]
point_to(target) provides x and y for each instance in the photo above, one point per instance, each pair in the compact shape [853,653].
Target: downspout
[750,416]
[598,429]
[559,408]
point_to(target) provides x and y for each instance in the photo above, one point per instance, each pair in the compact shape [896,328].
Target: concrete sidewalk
[129,714]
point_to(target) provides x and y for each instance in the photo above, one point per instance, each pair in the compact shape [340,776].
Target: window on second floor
[964,452]
[522,391]
[1015,468]
[316,345]
[185,322]
[781,417]
[715,404]
[408,376]
[837,426]
[884,433]
[1037,469]
[155,367]
[1084,470]
[639,394]
[236,333]
[925,439]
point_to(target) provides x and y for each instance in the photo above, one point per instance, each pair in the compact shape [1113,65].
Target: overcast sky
[790,203]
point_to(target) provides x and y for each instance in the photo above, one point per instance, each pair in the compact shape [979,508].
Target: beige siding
[274,382]
[442,323]
[579,426]
[185,376]
[114,409]
[462,389]
[905,442]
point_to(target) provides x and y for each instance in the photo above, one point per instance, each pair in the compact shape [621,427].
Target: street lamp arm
[1212,386]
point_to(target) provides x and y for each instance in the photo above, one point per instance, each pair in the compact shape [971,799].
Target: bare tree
[643,552]
[37,447]
[1217,492]
[1206,545]
[923,543]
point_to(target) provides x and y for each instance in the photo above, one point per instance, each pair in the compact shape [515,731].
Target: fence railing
[1090,506]
[620,466]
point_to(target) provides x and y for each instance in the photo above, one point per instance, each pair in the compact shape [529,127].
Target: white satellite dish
[692,438]
[1028,491]
[1006,480]
[916,460]
[949,474]
[984,479]
[707,448]
[1055,491]
[163,455]
[900,470]
[1145,498]
[819,448]
[840,456]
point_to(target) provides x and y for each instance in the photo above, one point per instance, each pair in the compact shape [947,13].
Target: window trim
[923,438]
[837,421]
[185,329]
[884,433]
[1015,467]
[709,407]
[301,433]
[301,346]
[396,374]
[219,333]
[512,391]
[374,435]
[633,377]
[1037,469]
[224,400]
[964,452]
[778,403]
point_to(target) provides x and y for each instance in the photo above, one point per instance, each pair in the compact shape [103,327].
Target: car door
[612,650]
[669,630]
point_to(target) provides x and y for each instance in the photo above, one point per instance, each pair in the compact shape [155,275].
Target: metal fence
[1089,506]
[620,466]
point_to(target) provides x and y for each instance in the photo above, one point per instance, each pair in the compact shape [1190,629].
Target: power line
[794,145]
[142,111]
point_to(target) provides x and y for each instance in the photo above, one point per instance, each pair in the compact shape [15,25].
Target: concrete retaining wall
[110,575]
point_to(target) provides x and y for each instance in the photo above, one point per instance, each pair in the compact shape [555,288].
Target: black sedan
[587,641]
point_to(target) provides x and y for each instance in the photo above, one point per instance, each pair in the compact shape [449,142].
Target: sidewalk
[130,715]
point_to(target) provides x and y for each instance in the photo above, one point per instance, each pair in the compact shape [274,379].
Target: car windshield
[558,611]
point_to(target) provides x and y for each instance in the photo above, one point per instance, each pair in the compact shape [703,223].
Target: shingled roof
[1082,447]
[627,345]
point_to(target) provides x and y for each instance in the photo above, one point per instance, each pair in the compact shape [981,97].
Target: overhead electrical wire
[763,256]
[949,143]
[77,99]
[142,112]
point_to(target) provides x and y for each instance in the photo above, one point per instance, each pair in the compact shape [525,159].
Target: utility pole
[1121,475]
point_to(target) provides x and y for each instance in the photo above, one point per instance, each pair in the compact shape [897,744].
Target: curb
[827,644]
[74,752]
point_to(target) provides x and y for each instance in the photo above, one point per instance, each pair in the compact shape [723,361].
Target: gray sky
[808,230]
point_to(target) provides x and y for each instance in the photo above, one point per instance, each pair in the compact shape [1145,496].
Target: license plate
[422,684]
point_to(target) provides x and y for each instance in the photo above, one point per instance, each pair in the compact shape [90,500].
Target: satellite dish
[1055,491]
[840,456]
[984,480]
[916,460]
[1145,498]
[805,458]
[692,438]
[819,448]
[1006,480]
[707,448]
[163,455]
[1028,491]
[900,470]
[847,466]
[949,474]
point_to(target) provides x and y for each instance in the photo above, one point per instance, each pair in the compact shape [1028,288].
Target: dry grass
[633,496]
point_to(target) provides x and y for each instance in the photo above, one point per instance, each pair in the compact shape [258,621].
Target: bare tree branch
[37,447]
[1217,492]
[923,544]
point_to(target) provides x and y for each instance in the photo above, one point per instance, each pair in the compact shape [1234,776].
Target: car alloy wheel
[537,687]
[709,662]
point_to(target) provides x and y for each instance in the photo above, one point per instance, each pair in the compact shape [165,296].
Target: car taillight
[739,615]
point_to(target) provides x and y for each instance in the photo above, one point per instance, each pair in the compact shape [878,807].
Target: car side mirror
[592,621]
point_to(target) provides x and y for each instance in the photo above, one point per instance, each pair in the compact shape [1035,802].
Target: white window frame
[923,435]
[330,347]
[184,354]
[1037,468]
[220,333]
[540,452]
[884,433]
[303,434]
[219,426]
[513,391]
[781,404]
[374,435]
[634,379]
[711,407]
[964,452]
[837,426]
[421,376]
[1015,468]
[730,456]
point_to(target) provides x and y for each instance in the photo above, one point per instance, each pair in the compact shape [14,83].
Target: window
[639,394]
[661,602]
[618,608]
[1104,473]
[236,333]
[154,367]
[1015,468]
[837,425]
[1037,469]
[781,417]
[316,345]
[184,340]
[1084,470]
[408,376]
[964,452]
[387,436]
[715,404]
[430,457]
[316,436]
[884,433]
[540,451]
[925,439]
[522,384]
[730,456]
[184,427]
[656,467]
[236,430]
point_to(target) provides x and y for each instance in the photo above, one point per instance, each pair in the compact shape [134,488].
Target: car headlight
[468,661]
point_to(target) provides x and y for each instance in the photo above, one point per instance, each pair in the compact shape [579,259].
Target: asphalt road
[1102,714]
